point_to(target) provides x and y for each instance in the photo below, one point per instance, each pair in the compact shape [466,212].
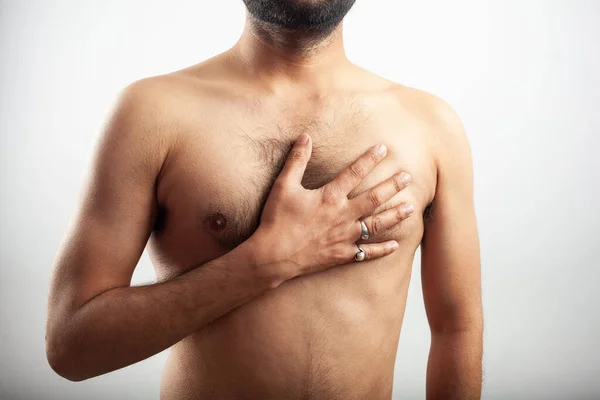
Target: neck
[283,58]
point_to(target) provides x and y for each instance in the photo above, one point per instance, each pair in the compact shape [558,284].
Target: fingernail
[394,245]
[406,178]
[303,138]
[409,209]
[381,149]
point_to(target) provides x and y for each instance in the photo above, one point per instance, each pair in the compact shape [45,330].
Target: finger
[369,200]
[350,177]
[374,251]
[385,219]
[297,159]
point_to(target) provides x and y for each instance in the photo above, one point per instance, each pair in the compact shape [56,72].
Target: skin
[253,240]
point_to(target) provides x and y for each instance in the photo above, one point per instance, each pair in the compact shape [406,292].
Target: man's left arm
[451,270]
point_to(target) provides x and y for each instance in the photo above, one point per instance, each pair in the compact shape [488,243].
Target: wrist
[268,266]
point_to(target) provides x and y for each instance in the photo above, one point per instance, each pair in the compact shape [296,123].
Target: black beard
[318,19]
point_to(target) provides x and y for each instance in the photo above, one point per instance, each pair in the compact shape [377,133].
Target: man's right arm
[98,323]
[124,325]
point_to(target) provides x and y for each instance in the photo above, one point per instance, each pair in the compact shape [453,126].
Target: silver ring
[364,232]
[360,256]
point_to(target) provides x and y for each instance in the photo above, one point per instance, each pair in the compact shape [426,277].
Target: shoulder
[183,95]
[442,126]
[438,119]
[163,95]
[153,98]
[139,127]
[143,106]
[434,112]
[154,109]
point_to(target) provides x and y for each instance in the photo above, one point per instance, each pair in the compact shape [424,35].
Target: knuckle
[339,254]
[296,154]
[338,235]
[406,210]
[331,196]
[398,184]
[374,197]
[376,225]
[373,157]
[399,214]
[280,184]
[357,171]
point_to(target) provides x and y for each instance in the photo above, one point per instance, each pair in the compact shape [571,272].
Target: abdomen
[330,335]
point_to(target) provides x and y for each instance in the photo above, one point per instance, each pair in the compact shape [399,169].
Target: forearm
[125,325]
[454,369]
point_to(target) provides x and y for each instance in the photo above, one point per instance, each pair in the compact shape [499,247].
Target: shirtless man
[261,293]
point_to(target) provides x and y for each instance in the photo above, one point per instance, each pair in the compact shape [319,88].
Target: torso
[330,335]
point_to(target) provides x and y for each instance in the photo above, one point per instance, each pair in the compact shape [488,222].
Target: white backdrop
[522,74]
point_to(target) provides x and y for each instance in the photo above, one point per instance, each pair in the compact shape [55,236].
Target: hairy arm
[450,267]
[96,322]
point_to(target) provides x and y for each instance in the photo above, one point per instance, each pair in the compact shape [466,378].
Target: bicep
[114,218]
[450,260]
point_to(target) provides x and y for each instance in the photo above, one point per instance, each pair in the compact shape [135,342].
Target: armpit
[427,213]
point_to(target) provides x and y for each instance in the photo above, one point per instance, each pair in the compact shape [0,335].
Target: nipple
[217,222]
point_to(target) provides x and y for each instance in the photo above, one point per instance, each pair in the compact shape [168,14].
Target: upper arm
[114,217]
[450,259]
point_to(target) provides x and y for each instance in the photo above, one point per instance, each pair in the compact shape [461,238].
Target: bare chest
[215,184]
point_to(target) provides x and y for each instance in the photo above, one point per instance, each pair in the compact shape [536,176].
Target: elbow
[473,329]
[63,365]
[451,326]
[62,359]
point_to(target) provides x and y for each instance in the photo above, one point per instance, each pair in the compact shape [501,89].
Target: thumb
[297,159]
